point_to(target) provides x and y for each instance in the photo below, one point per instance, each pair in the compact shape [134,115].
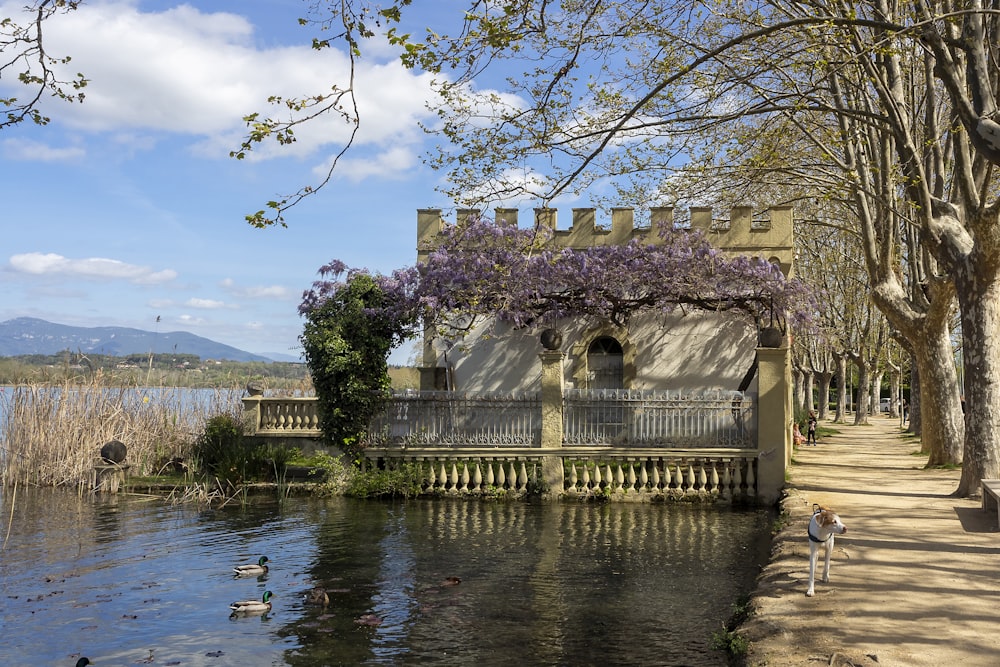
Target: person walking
[811,429]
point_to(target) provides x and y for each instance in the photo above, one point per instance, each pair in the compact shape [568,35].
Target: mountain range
[28,335]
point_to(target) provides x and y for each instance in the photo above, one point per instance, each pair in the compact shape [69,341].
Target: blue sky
[127,208]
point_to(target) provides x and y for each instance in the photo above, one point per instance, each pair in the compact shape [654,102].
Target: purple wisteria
[482,269]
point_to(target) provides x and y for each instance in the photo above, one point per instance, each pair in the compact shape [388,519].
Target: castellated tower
[683,351]
[768,235]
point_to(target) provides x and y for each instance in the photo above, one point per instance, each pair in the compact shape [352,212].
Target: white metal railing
[713,418]
[450,419]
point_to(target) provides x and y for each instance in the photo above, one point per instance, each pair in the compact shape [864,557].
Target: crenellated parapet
[768,235]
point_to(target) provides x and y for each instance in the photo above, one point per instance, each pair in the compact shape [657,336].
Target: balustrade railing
[634,443]
[724,474]
[449,419]
[284,416]
[609,416]
[586,472]
[714,418]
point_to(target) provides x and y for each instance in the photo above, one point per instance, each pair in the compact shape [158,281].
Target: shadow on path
[915,582]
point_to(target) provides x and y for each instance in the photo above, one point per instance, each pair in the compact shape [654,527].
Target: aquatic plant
[52,434]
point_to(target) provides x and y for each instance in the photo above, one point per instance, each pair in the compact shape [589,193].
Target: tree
[899,102]
[347,337]
[26,59]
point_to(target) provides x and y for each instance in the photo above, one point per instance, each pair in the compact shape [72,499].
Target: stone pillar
[552,419]
[774,420]
[251,412]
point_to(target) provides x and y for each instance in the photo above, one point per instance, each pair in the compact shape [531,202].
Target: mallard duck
[252,569]
[83,662]
[253,606]
[318,596]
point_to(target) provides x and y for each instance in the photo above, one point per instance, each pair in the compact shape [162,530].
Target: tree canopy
[26,59]
[346,341]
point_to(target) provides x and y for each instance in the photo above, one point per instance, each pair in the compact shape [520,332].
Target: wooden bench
[991,495]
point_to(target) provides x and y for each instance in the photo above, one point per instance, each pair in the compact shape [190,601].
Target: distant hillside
[27,335]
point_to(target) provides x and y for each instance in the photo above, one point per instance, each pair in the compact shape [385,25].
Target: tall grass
[52,434]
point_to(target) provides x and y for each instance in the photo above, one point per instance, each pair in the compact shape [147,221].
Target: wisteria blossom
[480,269]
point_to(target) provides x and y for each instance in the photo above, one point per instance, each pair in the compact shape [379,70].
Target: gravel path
[915,581]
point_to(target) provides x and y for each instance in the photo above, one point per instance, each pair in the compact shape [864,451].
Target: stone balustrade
[286,417]
[717,444]
[724,474]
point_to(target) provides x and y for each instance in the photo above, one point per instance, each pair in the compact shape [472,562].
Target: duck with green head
[253,606]
[252,569]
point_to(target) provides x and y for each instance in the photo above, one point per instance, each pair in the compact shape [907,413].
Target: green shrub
[223,451]
[402,482]
[729,639]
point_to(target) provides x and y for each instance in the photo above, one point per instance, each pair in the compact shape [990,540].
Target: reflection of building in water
[690,350]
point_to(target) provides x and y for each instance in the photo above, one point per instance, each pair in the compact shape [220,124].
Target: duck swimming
[252,569]
[318,596]
[253,606]
[83,662]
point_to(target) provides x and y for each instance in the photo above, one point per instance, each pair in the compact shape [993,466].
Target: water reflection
[443,582]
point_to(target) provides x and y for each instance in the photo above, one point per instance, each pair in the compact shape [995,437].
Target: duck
[318,596]
[253,606]
[252,569]
[83,662]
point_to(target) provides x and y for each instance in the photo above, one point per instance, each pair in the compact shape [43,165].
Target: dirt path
[916,580]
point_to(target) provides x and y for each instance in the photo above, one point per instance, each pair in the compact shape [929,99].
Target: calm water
[127,580]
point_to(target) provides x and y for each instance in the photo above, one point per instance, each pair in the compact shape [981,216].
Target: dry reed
[52,434]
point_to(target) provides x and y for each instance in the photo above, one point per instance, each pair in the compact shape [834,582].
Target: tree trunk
[940,427]
[799,388]
[979,296]
[914,406]
[936,417]
[876,402]
[895,381]
[862,393]
[823,395]
[839,415]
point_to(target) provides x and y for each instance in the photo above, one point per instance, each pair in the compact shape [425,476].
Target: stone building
[682,351]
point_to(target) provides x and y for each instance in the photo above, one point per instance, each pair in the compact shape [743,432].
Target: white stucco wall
[694,351]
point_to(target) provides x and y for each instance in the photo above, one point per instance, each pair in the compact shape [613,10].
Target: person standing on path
[811,429]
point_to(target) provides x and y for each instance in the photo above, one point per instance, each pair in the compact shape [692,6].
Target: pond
[128,580]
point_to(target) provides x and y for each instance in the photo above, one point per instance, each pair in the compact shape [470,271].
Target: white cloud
[206,304]
[396,160]
[161,304]
[184,71]
[36,263]
[26,150]
[256,292]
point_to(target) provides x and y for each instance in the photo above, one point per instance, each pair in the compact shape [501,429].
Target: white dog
[823,525]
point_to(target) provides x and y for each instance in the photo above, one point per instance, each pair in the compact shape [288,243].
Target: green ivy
[346,341]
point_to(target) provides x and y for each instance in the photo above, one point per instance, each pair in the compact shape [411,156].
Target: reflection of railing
[714,418]
[449,419]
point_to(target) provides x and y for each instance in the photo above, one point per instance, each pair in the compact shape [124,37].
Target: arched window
[605,364]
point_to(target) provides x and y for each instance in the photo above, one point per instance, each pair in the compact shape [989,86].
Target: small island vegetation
[153,370]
